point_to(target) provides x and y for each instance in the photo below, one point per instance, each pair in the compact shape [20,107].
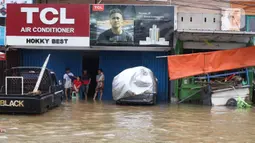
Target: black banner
[131,25]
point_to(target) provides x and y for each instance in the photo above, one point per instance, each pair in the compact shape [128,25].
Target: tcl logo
[98,7]
[58,15]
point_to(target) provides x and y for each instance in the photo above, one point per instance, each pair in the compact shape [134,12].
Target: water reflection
[81,121]
[134,124]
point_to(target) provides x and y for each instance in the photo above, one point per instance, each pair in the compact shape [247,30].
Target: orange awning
[180,66]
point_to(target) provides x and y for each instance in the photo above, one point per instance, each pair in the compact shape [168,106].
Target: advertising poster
[131,25]
[3,5]
[233,19]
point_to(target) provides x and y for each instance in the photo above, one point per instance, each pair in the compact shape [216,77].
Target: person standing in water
[77,85]
[100,84]
[68,83]
[85,84]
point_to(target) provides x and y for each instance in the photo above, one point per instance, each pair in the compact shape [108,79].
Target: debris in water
[242,104]
[2,130]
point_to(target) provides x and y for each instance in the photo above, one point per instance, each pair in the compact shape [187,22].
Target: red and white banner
[48,25]
[2,56]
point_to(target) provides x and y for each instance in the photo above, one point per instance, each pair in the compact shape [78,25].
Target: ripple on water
[58,135]
[22,135]
[83,133]
[66,127]
[50,132]
[109,135]
[14,128]
[3,137]
[89,123]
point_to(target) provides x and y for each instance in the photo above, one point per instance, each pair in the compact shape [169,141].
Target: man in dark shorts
[86,79]
[115,35]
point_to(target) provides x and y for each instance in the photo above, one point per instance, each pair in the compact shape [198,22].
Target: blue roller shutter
[113,63]
[59,60]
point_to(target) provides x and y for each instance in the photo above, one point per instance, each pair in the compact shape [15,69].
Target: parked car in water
[145,98]
[136,85]
[17,96]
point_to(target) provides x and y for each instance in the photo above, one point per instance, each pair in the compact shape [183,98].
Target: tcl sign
[48,24]
[98,7]
[58,15]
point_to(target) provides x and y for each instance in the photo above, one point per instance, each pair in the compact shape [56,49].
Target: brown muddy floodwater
[81,122]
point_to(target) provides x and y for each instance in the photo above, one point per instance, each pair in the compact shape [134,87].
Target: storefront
[249,10]
[216,32]
[73,40]
[11,55]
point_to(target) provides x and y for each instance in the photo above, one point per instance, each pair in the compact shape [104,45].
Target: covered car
[136,85]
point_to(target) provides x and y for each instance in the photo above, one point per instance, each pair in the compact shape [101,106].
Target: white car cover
[133,81]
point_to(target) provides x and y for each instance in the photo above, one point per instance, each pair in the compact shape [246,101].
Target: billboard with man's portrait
[131,25]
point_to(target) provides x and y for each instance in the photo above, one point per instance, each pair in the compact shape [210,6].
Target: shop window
[2,21]
[251,21]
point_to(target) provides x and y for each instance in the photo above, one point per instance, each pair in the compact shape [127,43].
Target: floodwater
[81,122]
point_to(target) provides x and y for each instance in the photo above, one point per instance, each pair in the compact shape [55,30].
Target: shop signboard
[3,4]
[48,25]
[131,25]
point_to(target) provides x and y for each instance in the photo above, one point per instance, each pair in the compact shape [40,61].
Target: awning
[2,56]
[216,36]
[181,66]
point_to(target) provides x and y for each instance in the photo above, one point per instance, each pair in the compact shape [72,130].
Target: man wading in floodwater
[85,85]
[100,84]
[68,83]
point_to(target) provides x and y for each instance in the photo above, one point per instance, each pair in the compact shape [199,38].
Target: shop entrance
[90,62]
